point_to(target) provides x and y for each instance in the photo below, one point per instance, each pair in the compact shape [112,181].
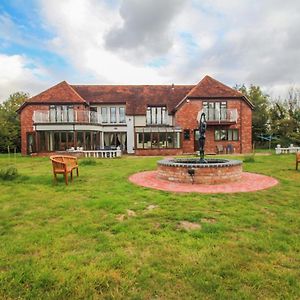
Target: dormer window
[156,115]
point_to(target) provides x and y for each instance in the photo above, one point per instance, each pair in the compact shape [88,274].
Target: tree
[285,118]
[10,131]
[260,116]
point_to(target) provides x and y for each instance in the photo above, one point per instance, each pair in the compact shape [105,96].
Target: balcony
[76,117]
[223,116]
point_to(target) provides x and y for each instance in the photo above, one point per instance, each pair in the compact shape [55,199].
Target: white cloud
[18,73]
[235,41]
[248,42]
[81,28]
[146,28]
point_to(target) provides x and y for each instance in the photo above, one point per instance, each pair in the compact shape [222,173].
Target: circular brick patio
[249,182]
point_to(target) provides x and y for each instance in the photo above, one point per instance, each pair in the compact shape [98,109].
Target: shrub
[9,173]
[88,162]
[249,158]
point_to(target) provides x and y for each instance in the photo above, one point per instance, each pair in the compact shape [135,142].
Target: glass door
[112,140]
[31,143]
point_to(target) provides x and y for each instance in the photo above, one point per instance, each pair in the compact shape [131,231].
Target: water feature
[200,170]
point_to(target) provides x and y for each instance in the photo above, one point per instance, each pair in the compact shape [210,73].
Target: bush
[88,162]
[249,158]
[9,173]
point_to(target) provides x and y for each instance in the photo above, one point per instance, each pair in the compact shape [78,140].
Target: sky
[43,42]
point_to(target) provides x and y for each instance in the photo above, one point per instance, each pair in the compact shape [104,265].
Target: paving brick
[249,182]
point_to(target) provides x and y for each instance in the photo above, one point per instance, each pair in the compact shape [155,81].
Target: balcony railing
[221,116]
[89,117]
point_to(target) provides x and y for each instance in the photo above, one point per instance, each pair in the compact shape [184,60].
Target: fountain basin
[190,170]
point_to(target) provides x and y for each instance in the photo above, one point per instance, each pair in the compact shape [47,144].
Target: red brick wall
[27,123]
[246,128]
[186,118]
[207,175]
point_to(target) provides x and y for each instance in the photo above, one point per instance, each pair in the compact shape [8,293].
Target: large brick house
[140,119]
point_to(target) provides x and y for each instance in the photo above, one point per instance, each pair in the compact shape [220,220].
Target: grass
[59,242]
[249,158]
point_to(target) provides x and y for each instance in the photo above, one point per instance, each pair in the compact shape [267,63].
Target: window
[80,139]
[186,134]
[147,140]
[159,115]
[58,114]
[52,114]
[64,113]
[160,139]
[42,141]
[122,115]
[113,116]
[61,113]
[154,140]
[56,141]
[139,140]
[104,114]
[156,115]
[170,140]
[70,113]
[87,145]
[215,110]
[226,134]
[93,115]
[95,140]
[112,140]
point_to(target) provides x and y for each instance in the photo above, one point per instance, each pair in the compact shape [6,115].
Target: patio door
[115,139]
[31,147]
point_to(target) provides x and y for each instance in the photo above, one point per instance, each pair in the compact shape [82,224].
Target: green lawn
[59,242]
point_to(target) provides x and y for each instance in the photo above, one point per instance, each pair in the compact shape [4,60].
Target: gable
[62,93]
[210,88]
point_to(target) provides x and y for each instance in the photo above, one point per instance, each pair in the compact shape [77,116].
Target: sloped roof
[61,93]
[136,97]
[210,87]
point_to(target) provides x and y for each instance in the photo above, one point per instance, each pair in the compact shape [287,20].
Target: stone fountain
[200,170]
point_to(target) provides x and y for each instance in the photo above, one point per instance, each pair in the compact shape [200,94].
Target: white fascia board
[54,127]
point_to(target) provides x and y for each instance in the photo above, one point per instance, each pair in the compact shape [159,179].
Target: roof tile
[60,93]
[209,87]
[136,97]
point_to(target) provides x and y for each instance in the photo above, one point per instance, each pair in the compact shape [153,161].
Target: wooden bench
[63,164]
[297,159]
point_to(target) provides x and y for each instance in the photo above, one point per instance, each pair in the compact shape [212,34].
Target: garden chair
[220,149]
[63,164]
[297,159]
[229,149]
